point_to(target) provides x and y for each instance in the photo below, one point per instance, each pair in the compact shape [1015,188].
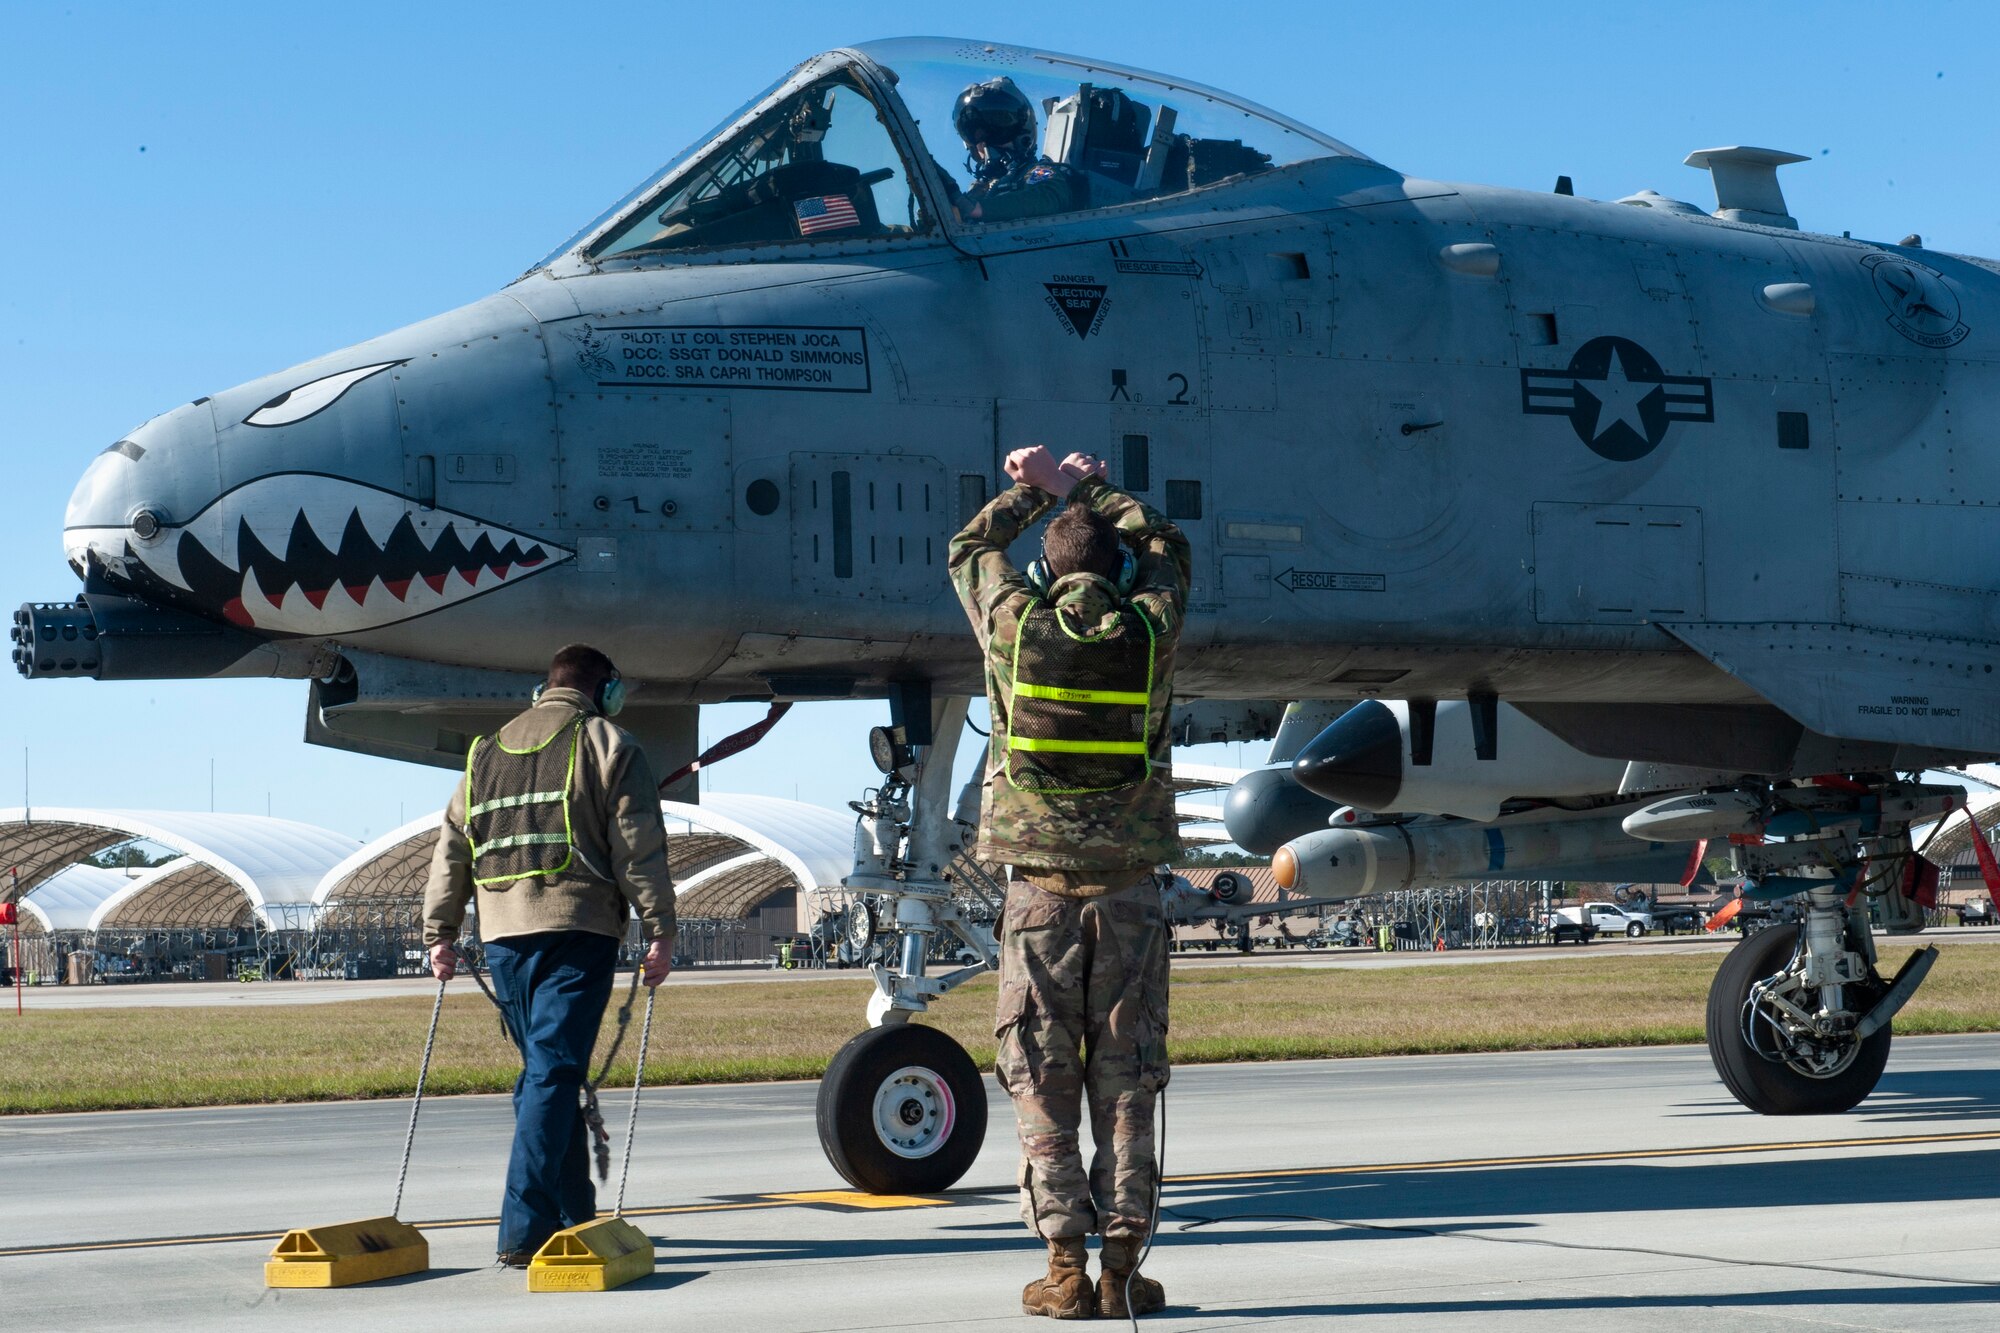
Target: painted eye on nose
[313,397]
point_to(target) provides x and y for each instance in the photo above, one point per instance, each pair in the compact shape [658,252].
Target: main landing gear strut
[1798,1015]
[902,1109]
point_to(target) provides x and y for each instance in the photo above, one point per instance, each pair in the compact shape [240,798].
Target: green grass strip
[104,1059]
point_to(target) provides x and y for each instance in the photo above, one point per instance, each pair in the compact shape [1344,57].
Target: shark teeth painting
[307,554]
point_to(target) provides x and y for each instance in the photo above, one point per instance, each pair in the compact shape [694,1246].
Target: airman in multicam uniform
[1079,800]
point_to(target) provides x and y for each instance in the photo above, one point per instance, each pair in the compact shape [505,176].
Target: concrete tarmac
[1572,1190]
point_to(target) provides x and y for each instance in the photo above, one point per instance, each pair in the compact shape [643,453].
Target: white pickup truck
[1611,919]
[1587,921]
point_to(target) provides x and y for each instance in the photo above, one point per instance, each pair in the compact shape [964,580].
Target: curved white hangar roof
[390,869]
[70,898]
[727,855]
[233,867]
[1954,838]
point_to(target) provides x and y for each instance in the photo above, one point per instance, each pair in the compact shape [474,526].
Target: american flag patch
[828,212]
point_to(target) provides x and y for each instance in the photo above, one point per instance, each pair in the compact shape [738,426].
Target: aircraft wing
[1865,684]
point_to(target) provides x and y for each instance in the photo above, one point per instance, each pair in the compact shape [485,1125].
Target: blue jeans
[553,987]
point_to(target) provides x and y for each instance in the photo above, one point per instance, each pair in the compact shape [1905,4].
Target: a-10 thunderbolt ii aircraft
[1685,488]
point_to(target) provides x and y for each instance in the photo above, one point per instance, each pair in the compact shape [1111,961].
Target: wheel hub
[914,1112]
[1778,1024]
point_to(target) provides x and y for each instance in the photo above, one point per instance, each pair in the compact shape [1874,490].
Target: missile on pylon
[1699,815]
[1355,860]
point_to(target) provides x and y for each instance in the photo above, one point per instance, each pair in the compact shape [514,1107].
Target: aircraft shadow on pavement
[1611,1305]
[1924,1094]
[1934,1094]
[1406,1204]
[1416,1197]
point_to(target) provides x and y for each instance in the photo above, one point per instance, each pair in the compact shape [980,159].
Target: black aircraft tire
[919,1078]
[1765,1086]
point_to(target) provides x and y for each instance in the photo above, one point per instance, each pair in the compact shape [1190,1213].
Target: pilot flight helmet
[997,114]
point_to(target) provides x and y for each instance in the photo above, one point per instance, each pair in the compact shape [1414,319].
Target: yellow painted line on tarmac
[847,1199]
[851,1199]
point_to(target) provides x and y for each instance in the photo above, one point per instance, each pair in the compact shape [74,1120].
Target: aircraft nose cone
[132,491]
[1357,761]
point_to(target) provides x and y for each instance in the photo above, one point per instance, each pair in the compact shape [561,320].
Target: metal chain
[410,1139]
[593,1114]
[598,1137]
[638,1082]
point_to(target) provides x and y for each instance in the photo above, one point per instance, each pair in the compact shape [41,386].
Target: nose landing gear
[902,1108]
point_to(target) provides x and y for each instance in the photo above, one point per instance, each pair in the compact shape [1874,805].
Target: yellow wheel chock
[609,1252]
[372,1249]
[595,1256]
[347,1253]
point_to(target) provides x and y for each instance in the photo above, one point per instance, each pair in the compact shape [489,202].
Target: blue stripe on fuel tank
[1496,849]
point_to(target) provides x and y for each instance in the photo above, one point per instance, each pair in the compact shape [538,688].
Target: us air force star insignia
[1617,399]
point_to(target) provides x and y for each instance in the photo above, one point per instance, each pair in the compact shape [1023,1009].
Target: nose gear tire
[902,1110]
[1764,1085]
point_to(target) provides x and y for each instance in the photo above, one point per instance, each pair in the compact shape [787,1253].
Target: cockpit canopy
[859,145]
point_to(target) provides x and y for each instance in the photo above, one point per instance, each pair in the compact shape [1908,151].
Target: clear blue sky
[197,194]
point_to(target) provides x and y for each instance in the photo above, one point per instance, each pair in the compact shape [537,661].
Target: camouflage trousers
[1083,1016]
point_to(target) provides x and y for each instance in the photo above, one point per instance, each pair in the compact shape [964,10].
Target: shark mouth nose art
[309,554]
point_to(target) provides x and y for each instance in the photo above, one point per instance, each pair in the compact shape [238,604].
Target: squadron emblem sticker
[1079,302]
[592,352]
[1921,306]
[1617,399]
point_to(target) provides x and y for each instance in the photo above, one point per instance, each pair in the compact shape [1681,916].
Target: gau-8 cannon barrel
[105,637]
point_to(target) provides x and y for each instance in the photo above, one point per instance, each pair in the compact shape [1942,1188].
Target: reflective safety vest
[517,808]
[1079,718]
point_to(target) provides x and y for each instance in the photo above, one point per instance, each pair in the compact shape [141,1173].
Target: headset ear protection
[610,697]
[1041,580]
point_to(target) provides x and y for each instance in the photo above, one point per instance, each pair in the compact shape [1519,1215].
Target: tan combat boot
[1119,1257]
[1065,1292]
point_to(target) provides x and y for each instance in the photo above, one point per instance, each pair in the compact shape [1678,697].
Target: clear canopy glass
[1123,134]
[826,154]
[818,165]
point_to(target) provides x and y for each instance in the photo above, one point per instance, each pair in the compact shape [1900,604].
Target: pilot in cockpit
[997,123]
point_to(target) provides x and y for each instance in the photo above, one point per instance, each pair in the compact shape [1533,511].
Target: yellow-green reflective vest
[517,807]
[1079,717]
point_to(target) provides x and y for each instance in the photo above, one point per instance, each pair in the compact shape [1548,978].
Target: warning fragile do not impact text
[1906,705]
[823,360]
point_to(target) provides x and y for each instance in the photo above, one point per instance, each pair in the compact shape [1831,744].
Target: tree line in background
[131,856]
